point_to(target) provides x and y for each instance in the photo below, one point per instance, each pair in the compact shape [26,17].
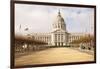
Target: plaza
[57,46]
[54,55]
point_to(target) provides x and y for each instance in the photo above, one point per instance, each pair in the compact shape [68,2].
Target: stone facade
[59,35]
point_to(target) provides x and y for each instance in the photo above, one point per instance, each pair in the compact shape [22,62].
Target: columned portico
[59,44]
[59,33]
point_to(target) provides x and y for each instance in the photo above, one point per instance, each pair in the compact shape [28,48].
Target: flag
[20,26]
[26,29]
[78,12]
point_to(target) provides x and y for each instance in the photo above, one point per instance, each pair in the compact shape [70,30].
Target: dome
[59,22]
[59,18]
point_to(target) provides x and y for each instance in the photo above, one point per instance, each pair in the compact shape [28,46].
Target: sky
[39,18]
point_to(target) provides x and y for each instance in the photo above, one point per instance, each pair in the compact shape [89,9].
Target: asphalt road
[54,55]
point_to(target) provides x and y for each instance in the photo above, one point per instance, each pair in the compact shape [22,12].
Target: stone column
[60,43]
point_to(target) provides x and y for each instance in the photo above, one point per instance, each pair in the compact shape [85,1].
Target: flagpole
[20,29]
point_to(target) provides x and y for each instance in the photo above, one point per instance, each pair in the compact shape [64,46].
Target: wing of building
[59,35]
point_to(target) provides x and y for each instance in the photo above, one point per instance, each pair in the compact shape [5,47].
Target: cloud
[79,19]
[40,18]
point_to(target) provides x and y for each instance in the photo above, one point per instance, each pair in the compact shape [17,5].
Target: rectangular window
[61,37]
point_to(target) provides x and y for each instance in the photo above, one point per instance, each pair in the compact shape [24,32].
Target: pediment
[59,30]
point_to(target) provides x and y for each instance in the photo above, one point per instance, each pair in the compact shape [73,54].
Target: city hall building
[59,36]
